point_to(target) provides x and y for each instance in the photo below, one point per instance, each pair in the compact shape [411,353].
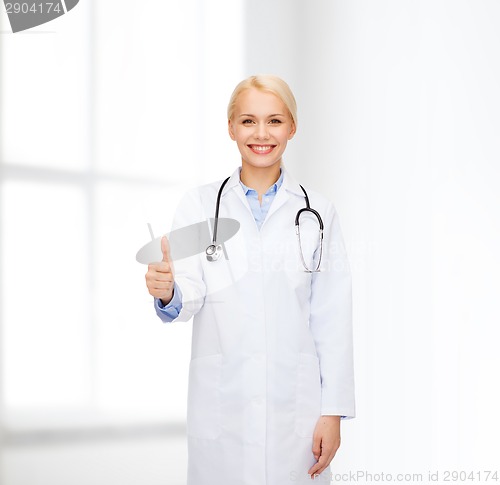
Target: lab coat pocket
[308,396]
[204,407]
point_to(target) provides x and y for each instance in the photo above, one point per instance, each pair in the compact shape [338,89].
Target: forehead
[259,103]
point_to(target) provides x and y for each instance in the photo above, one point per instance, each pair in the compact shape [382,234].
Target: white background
[110,112]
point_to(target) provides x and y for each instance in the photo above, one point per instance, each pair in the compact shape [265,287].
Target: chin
[263,163]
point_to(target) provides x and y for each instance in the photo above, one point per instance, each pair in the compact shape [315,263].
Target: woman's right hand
[160,276]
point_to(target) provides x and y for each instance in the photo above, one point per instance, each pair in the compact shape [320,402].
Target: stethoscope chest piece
[213,252]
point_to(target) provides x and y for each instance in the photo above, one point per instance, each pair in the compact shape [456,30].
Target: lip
[260,151]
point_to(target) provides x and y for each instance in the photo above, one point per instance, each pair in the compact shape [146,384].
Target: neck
[259,178]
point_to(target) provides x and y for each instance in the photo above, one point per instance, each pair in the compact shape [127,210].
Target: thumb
[165,249]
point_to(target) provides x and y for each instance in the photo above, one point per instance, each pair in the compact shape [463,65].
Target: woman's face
[261,127]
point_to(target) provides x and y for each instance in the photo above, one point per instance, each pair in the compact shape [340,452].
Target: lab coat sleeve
[188,272]
[331,322]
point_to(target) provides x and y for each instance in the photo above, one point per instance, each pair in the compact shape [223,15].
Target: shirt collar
[274,188]
[289,183]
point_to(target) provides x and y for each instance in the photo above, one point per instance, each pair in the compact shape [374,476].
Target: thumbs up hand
[160,276]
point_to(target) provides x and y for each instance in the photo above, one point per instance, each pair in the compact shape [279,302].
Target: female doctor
[271,370]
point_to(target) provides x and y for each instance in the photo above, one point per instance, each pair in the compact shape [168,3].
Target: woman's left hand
[326,442]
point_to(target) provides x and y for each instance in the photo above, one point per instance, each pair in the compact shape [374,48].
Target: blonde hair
[267,83]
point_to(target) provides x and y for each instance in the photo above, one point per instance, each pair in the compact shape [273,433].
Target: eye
[275,121]
[247,121]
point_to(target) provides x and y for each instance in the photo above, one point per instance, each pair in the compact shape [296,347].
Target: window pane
[164,76]
[45,93]
[142,362]
[45,297]
[147,78]
[223,68]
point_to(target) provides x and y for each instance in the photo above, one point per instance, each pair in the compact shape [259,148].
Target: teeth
[260,148]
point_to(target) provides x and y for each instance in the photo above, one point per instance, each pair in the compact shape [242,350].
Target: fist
[160,276]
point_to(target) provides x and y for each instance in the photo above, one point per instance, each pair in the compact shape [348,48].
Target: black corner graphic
[71,4]
[26,14]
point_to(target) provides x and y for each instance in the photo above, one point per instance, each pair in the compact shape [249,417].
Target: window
[108,114]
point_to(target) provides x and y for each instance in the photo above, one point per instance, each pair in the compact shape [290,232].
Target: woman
[271,371]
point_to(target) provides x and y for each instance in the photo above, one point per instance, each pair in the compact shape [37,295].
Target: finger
[161,267]
[161,292]
[163,278]
[165,249]
[316,448]
[324,460]
[316,470]
[320,463]
[163,270]
[160,280]
[161,284]
[158,265]
[164,288]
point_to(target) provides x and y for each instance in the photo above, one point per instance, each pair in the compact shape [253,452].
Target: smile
[261,149]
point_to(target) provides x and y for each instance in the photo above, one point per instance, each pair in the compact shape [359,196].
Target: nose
[262,131]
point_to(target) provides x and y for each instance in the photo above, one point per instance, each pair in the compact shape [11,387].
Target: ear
[292,131]
[230,129]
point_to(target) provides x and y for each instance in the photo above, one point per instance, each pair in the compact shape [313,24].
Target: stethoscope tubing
[213,250]
[217,206]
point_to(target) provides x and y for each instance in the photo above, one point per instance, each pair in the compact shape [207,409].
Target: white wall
[398,124]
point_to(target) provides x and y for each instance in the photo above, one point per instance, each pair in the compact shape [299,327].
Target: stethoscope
[214,250]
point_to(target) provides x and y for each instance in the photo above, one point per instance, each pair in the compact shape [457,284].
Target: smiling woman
[261,124]
[271,372]
[262,118]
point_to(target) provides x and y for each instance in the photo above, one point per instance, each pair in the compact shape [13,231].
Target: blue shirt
[171,311]
[260,211]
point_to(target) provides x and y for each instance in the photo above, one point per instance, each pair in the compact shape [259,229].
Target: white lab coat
[271,344]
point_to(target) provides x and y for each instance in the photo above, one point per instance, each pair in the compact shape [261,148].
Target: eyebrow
[270,116]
